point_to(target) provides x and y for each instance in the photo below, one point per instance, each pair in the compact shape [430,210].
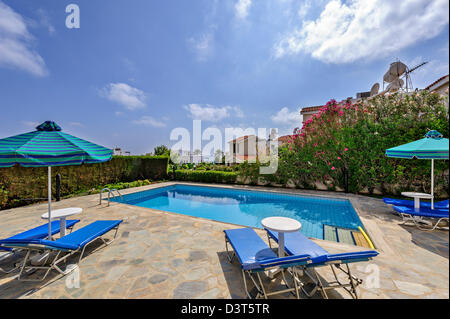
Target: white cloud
[44,21]
[237,111]
[304,9]
[242,8]
[128,96]
[149,121]
[207,113]
[212,113]
[16,44]
[203,46]
[285,117]
[346,32]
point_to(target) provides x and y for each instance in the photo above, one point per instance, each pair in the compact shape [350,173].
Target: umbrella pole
[432,183]
[49,203]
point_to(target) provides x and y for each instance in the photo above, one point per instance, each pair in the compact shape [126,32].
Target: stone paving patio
[166,255]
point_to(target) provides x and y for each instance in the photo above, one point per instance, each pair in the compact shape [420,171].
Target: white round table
[417,197]
[281,225]
[62,214]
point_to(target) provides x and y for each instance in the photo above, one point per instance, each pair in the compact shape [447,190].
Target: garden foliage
[354,137]
[22,185]
[206,176]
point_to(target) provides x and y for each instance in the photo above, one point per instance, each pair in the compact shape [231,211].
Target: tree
[161,150]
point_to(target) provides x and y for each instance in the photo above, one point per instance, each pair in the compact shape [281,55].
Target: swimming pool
[248,207]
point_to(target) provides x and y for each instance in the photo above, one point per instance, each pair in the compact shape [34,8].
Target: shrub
[206,176]
[3,197]
[354,137]
[25,185]
[121,185]
[250,171]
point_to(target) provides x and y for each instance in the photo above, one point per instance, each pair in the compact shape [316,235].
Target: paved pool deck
[167,255]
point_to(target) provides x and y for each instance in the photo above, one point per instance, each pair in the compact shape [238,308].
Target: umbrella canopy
[48,146]
[432,146]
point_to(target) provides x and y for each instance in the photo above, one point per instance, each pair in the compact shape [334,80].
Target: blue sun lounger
[66,246]
[255,257]
[39,232]
[296,244]
[417,217]
[410,203]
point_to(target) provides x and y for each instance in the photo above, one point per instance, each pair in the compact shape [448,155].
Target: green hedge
[206,176]
[24,185]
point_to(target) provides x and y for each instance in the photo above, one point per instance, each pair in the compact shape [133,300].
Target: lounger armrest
[10,242]
[36,243]
[359,255]
[389,201]
[285,261]
[403,209]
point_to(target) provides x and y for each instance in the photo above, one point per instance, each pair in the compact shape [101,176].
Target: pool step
[330,233]
[344,235]
[360,239]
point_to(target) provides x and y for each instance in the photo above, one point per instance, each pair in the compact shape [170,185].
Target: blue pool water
[248,208]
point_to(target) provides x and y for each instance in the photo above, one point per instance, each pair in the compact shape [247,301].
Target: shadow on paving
[378,210]
[435,241]
[235,282]
[14,288]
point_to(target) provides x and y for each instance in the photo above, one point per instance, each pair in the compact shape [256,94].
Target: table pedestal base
[40,259]
[272,273]
[62,227]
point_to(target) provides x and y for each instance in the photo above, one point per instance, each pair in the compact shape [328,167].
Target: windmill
[409,71]
[398,77]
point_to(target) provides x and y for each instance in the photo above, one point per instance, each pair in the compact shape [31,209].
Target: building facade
[440,86]
[246,148]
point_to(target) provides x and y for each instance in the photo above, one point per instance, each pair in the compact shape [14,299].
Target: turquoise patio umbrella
[432,146]
[47,147]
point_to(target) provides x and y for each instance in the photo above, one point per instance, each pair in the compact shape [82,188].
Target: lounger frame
[349,286]
[255,277]
[418,220]
[14,251]
[54,264]
[335,265]
[6,255]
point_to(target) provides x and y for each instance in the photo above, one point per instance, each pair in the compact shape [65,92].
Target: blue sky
[135,70]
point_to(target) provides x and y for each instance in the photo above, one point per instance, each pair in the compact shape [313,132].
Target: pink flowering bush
[353,138]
